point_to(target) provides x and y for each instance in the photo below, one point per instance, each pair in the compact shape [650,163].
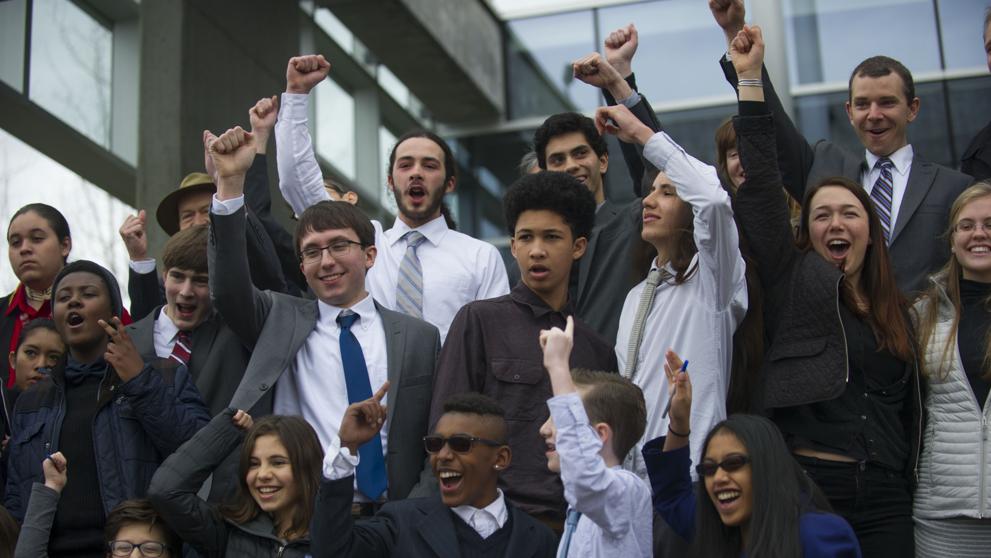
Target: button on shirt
[696,318]
[902,161]
[457,268]
[615,504]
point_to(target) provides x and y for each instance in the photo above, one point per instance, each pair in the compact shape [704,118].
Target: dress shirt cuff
[142,267]
[659,149]
[295,106]
[567,410]
[630,101]
[226,207]
[338,462]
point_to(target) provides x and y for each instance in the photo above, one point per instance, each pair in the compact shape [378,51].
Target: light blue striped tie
[409,290]
[882,195]
[570,524]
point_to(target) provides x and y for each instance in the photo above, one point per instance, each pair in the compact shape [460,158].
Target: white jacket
[955,464]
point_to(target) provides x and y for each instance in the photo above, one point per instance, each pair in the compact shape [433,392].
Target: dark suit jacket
[605,272]
[274,326]
[414,528]
[916,252]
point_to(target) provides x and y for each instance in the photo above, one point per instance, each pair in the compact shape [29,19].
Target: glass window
[28,176]
[335,126]
[71,57]
[386,140]
[394,86]
[665,30]
[970,110]
[550,44]
[334,28]
[12,24]
[827,40]
[961,23]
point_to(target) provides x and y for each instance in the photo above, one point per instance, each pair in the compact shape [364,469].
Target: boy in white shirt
[596,419]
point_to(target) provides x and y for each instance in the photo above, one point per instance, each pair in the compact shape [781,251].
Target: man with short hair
[470,517]
[318,356]
[424,268]
[911,196]
[976,160]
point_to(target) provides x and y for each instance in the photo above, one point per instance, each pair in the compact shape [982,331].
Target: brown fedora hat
[168,210]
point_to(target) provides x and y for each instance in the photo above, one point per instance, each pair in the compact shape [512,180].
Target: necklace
[38,296]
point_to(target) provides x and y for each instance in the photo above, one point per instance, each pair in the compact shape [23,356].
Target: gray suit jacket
[275,325]
[916,251]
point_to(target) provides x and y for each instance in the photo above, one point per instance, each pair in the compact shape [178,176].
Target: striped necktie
[882,194]
[654,278]
[183,349]
[409,290]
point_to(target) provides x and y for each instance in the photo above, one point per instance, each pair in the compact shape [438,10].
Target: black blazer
[916,251]
[414,528]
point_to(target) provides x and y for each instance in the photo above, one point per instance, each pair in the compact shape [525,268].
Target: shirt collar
[522,294]
[496,509]
[365,309]
[901,159]
[434,231]
[19,302]
[165,327]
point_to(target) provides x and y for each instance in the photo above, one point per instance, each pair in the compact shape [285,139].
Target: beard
[425,212]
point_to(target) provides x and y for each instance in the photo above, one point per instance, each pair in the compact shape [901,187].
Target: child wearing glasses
[133,524]
[596,419]
[470,517]
[754,498]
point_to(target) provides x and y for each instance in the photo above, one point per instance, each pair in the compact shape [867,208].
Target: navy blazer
[823,535]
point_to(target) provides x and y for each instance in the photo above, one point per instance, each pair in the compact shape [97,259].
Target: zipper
[839,316]
[280,551]
[984,429]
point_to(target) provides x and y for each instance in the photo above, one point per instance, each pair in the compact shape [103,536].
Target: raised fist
[232,152]
[620,46]
[620,122]
[747,52]
[262,117]
[303,73]
[729,14]
[594,70]
[134,233]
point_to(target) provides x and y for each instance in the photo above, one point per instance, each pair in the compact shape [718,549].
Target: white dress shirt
[697,318]
[457,269]
[165,335]
[615,504]
[339,463]
[902,161]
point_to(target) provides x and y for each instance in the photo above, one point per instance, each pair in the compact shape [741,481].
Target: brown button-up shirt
[493,348]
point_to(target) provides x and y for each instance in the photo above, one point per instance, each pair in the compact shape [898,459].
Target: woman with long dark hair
[278,477]
[752,498]
[840,378]
[952,497]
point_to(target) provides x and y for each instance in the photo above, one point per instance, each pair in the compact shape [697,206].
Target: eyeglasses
[732,463]
[460,443]
[968,226]
[337,248]
[149,548]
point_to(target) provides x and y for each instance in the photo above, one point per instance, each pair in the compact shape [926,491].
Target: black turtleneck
[975,319]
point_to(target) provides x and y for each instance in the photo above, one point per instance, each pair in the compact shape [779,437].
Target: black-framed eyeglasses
[338,248]
[969,226]
[460,443]
[732,463]
[151,549]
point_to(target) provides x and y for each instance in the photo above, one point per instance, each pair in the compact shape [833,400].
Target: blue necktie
[570,524]
[371,465]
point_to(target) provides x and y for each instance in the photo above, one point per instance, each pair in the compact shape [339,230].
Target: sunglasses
[732,463]
[460,443]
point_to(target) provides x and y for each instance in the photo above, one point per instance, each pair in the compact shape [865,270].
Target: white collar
[165,326]
[497,509]
[901,159]
[364,308]
[434,231]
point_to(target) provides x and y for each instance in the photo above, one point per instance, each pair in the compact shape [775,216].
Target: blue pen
[667,408]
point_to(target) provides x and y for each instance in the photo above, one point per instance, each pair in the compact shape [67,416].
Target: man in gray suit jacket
[881,105]
[299,345]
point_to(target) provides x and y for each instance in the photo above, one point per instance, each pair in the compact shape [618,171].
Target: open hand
[303,73]
[121,352]
[363,420]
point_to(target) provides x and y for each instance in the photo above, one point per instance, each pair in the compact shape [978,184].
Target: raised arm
[173,488]
[243,306]
[32,542]
[142,285]
[795,155]
[721,266]
[300,178]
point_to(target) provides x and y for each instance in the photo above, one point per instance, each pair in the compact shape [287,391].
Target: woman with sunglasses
[840,377]
[954,322]
[278,476]
[754,499]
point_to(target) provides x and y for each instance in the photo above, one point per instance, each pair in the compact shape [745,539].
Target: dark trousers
[877,502]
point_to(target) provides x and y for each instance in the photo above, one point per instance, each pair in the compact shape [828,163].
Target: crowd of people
[809,326]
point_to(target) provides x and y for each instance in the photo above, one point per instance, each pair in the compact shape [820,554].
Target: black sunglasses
[732,463]
[460,443]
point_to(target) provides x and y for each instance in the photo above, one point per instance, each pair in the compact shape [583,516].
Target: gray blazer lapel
[920,180]
[603,217]
[143,335]
[395,348]
[437,529]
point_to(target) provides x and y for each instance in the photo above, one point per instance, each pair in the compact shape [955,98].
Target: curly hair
[558,192]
